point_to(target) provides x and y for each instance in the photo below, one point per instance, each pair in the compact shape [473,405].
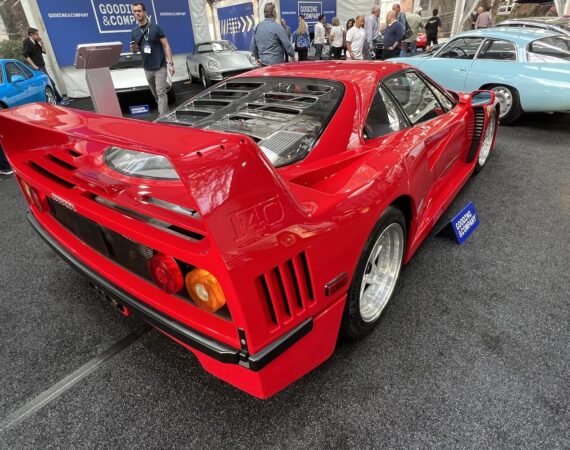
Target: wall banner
[236,24]
[73,22]
[310,10]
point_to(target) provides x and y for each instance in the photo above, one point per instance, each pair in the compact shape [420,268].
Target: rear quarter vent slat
[286,290]
[46,170]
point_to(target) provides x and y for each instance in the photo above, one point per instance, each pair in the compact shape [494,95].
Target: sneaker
[6,172]
[63,102]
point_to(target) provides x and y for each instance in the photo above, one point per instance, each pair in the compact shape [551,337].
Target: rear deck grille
[287,289]
[125,252]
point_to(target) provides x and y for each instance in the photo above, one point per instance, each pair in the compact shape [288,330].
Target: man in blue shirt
[393,35]
[270,43]
[150,40]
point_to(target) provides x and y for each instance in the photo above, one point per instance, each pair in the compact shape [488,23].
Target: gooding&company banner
[292,9]
[73,22]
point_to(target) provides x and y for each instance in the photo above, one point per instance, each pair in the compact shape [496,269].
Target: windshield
[555,49]
[223,46]
[285,116]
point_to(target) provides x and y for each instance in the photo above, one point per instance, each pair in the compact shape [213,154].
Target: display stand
[96,60]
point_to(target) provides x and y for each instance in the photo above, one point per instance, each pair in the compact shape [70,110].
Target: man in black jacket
[33,50]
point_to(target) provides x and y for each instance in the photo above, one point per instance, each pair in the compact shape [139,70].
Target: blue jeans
[411,46]
[318,51]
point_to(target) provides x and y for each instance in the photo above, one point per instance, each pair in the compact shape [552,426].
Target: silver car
[215,60]
[128,76]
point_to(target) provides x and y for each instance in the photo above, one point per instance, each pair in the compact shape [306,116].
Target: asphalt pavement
[473,351]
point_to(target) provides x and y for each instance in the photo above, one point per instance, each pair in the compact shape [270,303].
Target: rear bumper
[191,338]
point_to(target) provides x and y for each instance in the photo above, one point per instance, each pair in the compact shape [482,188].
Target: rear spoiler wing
[236,190]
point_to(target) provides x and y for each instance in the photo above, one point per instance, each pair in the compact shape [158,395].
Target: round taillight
[165,272]
[38,200]
[205,290]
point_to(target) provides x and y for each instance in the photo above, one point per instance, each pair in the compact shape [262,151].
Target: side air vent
[61,163]
[478,124]
[286,290]
[52,176]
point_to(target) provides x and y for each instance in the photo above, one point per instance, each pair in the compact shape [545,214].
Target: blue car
[529,70]
[20,84]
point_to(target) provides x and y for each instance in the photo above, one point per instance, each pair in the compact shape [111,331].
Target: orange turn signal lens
[205,290]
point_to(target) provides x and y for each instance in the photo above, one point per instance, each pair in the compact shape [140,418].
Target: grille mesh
[125,252]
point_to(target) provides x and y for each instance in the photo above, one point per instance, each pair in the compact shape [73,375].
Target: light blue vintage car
[529,70]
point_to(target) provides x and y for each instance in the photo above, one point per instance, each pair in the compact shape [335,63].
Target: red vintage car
[421,41]
[261,217]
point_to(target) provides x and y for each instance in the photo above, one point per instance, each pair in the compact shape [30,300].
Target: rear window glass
[554,49]
[284,116]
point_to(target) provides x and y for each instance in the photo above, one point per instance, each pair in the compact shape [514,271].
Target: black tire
[50,96]
[354,325]
[206,83]
[507,95]
[171,95]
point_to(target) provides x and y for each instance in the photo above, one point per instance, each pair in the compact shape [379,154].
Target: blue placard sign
[139,109]
[465,222]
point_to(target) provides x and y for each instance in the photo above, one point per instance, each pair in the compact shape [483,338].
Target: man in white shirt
[355,38]
[320,37]
[372,31]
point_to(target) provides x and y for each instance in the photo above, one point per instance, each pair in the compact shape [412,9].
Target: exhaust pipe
[120,307]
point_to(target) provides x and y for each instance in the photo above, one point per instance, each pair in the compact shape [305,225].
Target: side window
[498,51]
[416,98]
[384,116]
[462,48]
[12,69]
[444,98]
[28,72]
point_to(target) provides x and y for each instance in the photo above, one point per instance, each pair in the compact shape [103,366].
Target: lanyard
[146,32]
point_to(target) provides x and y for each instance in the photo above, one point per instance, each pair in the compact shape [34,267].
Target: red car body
[282,242]
[421,41]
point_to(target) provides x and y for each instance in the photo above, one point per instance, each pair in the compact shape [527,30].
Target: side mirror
[482,98]
[17,78]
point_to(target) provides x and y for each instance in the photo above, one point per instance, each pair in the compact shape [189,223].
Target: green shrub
[11,49]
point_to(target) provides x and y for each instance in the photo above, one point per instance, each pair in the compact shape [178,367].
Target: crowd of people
[361,39]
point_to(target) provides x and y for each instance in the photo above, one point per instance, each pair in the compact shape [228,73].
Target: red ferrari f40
[263,216]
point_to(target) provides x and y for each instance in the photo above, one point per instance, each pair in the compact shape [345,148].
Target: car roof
[541,20]
[521,36]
